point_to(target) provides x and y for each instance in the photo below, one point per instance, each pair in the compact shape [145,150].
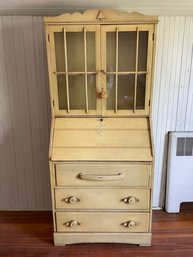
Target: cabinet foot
[141,239]
[144,244]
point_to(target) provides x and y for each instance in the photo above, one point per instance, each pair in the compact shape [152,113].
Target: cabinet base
[142,239]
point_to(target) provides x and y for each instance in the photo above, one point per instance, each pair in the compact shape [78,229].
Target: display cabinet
[101,157]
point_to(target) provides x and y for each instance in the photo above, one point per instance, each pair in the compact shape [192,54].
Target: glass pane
[92,97]
[77,92]
[140,96]
[75,51]
[59,50]
[126,85]
[111,51]
[110,87]
[125,100]
[127,51]
[142,55]
[61,79]
[91,54]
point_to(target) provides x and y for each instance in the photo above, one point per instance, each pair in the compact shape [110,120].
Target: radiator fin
[184,146]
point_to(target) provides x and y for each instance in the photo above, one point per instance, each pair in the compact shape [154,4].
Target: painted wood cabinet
[101,157]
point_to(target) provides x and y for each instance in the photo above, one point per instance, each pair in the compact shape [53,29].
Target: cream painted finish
[101,139]
[101,222]
[135,175]
[143,239]
[68,74]
[136,58]
[99,198]
[129,123]
[95,154]
[108,15]
[101,148]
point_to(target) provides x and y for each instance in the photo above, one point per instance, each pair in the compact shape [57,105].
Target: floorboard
[29,234]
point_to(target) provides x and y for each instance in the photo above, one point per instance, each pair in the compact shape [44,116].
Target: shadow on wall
[164,172]
[24,115]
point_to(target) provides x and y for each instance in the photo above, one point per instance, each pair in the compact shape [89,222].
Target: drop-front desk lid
[107,139]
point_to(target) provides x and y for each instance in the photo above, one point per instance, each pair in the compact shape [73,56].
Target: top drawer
[102,174]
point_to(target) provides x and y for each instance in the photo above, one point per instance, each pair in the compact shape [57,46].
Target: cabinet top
[104,16]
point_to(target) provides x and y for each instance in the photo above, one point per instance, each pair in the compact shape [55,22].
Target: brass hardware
[98,71]
[102,94]
[130,200]
[129,224]
[72,224]
[72,200]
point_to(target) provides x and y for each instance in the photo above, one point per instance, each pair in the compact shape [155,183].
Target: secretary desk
[101,157]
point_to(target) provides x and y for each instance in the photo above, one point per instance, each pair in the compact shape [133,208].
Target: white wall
[24,115]
[173,90]
[55,7]
[25,111]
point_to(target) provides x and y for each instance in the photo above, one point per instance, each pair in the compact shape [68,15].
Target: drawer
[102,174]
[125,199]
[102,222]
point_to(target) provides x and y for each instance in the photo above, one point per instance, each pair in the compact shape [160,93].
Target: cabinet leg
[148,244]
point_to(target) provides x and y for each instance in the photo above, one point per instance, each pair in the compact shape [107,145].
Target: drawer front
[102,222]
[97,174]
[126,199]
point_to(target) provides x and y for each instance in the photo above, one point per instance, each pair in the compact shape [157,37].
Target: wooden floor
[29,234]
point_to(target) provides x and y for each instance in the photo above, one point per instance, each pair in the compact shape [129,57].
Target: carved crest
[100,16]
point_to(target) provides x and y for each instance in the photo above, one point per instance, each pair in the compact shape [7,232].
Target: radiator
[179,171]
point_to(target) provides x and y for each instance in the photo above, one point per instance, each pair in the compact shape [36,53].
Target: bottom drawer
[102,222]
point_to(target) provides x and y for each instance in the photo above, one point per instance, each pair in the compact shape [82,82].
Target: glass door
[74,61]
[126,65]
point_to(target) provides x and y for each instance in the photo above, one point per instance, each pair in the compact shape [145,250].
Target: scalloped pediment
[101,16]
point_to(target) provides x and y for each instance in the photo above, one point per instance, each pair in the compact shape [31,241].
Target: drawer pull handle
[130,200]
[72,224]
[72,200]
[96,177]
[129,224]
